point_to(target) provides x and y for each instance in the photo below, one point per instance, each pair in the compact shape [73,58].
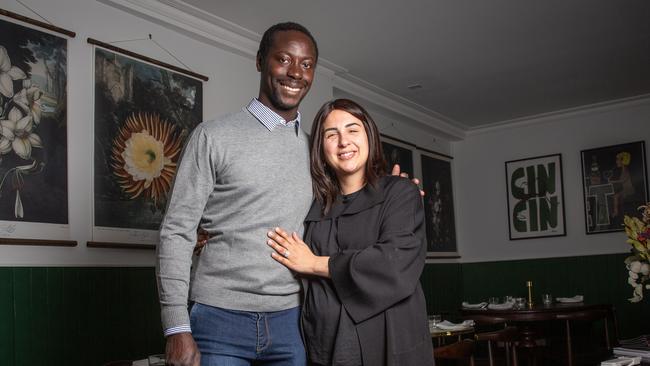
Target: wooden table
[526,318]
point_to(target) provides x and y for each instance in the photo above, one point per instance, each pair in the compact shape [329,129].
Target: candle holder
[529,284]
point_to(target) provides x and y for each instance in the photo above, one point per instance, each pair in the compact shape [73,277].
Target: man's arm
[193,184]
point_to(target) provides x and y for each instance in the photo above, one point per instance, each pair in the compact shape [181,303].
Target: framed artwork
[397,152]
[143,114]
[438,205]
[535,197]
[33,138]
[614,180]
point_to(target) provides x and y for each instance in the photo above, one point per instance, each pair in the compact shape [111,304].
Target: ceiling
[479,62]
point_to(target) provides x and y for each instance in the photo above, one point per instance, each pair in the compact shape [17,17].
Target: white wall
[233,81]
[482,224]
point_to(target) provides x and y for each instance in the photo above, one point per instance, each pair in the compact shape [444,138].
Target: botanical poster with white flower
[143,114]
[33,127]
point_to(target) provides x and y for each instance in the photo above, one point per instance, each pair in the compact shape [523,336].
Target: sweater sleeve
[371,280]
[193,184]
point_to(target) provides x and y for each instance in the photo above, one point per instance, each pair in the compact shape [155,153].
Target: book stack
[639,346]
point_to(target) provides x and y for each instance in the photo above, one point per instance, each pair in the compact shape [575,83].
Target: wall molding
[549,117]
[221,33]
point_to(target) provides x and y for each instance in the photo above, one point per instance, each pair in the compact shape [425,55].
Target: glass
[494,300]
[520,303]
[508,299]
[434,320]
[547,299]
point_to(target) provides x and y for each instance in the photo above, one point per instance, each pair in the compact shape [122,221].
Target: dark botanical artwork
[143,114]
[395,153]
[33,126]
[438,205]
[614,184]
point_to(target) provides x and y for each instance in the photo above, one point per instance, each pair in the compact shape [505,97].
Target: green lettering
[517,192]
[546,179]
[548,213]
[530,173]
[520,225]
[532,210]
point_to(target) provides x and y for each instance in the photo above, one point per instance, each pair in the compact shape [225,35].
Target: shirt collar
[268,118]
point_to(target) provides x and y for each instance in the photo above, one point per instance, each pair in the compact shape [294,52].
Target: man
[239,177]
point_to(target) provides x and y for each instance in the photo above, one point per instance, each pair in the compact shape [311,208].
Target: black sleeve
[373,279]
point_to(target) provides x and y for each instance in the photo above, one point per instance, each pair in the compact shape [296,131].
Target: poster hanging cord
[157,44]
[169,53]
[112,47]
[33,11]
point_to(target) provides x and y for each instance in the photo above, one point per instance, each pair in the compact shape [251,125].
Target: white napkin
[505,306]
[447,325]
[480,305]
[576,298]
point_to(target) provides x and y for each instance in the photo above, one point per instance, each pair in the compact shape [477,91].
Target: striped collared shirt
[268,118]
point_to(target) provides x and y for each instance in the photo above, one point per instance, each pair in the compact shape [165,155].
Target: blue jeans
[242,338]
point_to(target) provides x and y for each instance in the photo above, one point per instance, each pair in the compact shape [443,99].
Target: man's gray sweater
[238,180]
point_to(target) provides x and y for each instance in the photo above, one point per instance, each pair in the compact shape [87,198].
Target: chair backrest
[509,336]
[462,351]
[605,312]
[119,363]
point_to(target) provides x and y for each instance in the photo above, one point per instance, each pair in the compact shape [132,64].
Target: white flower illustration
[18,130]
[8,74]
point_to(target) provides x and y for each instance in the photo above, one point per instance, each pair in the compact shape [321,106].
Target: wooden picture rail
[38,23]
[103,244]
[146,59]
[450,256]
[416,146]
[43,242]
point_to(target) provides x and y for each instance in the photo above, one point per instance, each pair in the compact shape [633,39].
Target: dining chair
[462,352]
[508,336]
[606,313]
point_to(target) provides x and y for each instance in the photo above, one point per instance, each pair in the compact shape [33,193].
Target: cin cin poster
[535,197]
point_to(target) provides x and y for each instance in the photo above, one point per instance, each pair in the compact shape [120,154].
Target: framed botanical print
[143,114]
[34,136]
[535,197]
[614,181]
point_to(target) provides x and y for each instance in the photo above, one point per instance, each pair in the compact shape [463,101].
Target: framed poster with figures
[614,181]
[438,205]
[397,152]
[535,197]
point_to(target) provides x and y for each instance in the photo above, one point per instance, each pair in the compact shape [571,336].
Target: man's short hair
[267,38]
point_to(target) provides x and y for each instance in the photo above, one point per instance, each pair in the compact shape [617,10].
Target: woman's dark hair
[267,38]
[325,184]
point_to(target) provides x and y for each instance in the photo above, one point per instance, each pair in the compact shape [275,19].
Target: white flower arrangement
[638,233]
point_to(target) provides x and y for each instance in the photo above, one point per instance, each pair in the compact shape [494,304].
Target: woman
[363,303]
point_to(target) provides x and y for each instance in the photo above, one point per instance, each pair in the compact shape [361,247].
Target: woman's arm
[293,253]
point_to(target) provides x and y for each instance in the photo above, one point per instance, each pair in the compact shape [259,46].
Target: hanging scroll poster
[143,114]
[33,137]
